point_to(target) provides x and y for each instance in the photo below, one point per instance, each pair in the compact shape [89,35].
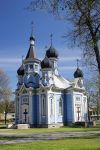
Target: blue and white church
[43,97]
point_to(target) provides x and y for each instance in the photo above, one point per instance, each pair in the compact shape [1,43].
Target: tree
[5,94]
[92,87]
[84,15]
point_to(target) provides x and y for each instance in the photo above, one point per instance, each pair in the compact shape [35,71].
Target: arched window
[60,106]
[43,105]
[52,106]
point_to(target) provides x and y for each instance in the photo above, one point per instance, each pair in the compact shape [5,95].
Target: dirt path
[30,137]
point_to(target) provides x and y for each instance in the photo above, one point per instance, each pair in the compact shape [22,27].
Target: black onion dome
[45,63]
[20,71]
[52,52]
[78,73]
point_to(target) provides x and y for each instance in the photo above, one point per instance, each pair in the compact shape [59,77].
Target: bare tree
[84,15]
[5,94]
[92,87]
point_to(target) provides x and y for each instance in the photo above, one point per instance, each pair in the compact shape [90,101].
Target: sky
[15,30]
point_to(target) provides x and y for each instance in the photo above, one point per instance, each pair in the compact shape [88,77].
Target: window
[43,105]
[52,106]
[77,99]
[25,100]
[31,66]
[26,67]
[84,101]
[60,106]
[36,67]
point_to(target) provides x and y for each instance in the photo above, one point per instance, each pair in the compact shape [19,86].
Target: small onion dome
[78,73]
[20,71]
[45,63]
[52,52]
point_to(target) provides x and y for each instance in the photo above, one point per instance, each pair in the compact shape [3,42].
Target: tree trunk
[5,118]
[88,108]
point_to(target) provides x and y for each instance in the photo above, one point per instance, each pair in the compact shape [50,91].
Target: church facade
[43,97]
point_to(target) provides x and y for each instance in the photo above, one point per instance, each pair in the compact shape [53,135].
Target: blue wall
[68,108]
[35,109]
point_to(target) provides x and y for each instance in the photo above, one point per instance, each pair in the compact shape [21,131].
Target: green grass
[98,123]
[41,130]
[67,144]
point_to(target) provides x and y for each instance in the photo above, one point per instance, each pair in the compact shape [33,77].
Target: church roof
[52,52]
[31,52]
[78,73]
[60,82]
[20,71]
[46,63]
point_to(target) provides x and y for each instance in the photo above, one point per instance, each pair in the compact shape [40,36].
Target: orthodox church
[43,97]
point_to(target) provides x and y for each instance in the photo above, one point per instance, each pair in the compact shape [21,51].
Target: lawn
[66,144]
[40,130]
[97,123]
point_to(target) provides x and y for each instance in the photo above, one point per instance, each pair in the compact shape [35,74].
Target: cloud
[10,60]
[69,58]
[67,68]
[13,63]
[18,60]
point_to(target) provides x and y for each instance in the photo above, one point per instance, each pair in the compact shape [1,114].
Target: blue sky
[15,29]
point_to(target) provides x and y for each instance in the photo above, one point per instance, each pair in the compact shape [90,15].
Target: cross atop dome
[32,38]
[51,52]
[22,59]
[77,63]
[51,36]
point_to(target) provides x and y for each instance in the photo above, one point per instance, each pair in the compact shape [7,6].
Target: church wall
[43,109]
[80,107]
[77,106]
[53,108]
[24,104]
[20,110]
[58,109]
[84,108]
[16,109]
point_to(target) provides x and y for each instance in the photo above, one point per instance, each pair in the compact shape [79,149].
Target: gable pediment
[23,90]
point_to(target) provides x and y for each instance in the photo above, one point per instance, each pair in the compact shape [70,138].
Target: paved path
[29,137]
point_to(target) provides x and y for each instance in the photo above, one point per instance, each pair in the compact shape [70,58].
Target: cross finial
[45,50]
[77,63]
[32,25]
[51,35]
[22,59]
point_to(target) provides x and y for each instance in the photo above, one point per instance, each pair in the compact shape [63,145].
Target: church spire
[31,52]
[32,39]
